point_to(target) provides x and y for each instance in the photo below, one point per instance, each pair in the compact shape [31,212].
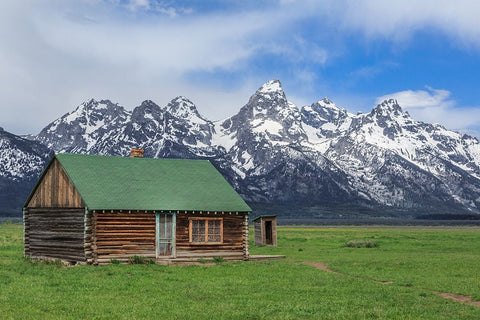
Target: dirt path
[456,297]
[459,298]
[322,266]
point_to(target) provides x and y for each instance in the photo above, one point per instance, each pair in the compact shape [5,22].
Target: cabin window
[206,230]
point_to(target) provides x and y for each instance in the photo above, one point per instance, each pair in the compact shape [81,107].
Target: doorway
[268,233]
[165,234]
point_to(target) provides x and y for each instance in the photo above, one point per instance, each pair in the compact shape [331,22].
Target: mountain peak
[326,100]
[389,106]
[146,107]
[268,96]
[390,109]
[94,104]
[87,104]
[270,87]
[148,103]
[326,103]
[390,117]
[182,107]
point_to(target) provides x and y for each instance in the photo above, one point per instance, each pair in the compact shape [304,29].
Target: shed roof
[121,183]
[265,216]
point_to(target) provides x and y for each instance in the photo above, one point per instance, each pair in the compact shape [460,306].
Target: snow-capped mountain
[273,152]
[323,120]
[102,127]
[398,161]
[267,156]
[21,163]
[82,130]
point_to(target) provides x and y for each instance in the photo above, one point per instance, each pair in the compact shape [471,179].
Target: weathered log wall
[120,235]
[233,235]
[55,233]
[56,190]
[98,237]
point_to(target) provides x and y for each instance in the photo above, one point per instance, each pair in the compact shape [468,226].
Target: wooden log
[65,256]
[56,233]
[124,234]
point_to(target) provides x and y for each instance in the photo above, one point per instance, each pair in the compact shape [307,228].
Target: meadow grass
[417,261]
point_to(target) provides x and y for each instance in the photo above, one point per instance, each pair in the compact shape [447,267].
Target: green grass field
[418,262]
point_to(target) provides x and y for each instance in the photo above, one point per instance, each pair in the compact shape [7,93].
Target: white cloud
[54,55]
[166,45]
[429,98]
[135,5]
[394,20]
[156,7]
[399,19]
[436,106]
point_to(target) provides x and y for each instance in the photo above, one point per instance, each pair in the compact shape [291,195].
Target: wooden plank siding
[55,233]
[234,239]
[258,232]
[55,190]
[120,235]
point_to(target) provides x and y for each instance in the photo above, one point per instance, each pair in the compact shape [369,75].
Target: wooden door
[165,245]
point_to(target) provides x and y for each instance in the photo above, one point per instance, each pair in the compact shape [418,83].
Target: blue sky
[55,54]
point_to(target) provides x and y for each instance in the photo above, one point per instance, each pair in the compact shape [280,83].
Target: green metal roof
[121,183]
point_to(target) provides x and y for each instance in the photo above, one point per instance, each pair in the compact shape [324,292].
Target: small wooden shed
[93,209]
[265,230]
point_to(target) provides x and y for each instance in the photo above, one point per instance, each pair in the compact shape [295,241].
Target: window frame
[190,227]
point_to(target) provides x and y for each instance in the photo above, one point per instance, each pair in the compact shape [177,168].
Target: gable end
[55,190]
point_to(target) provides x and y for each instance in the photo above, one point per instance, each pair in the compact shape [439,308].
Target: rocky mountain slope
[273,152]
[21,163]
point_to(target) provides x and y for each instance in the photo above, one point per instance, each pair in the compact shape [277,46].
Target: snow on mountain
[189,133]
[398,161]
[101,127]
[267,116]
[182,108]
[266,122]
[84,128]
[144,129]
[20,158]
[21,163]
[267,156]
[388,127]
[271,151]
[323,121]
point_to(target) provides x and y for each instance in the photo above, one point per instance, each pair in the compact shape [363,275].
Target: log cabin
[100,209]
